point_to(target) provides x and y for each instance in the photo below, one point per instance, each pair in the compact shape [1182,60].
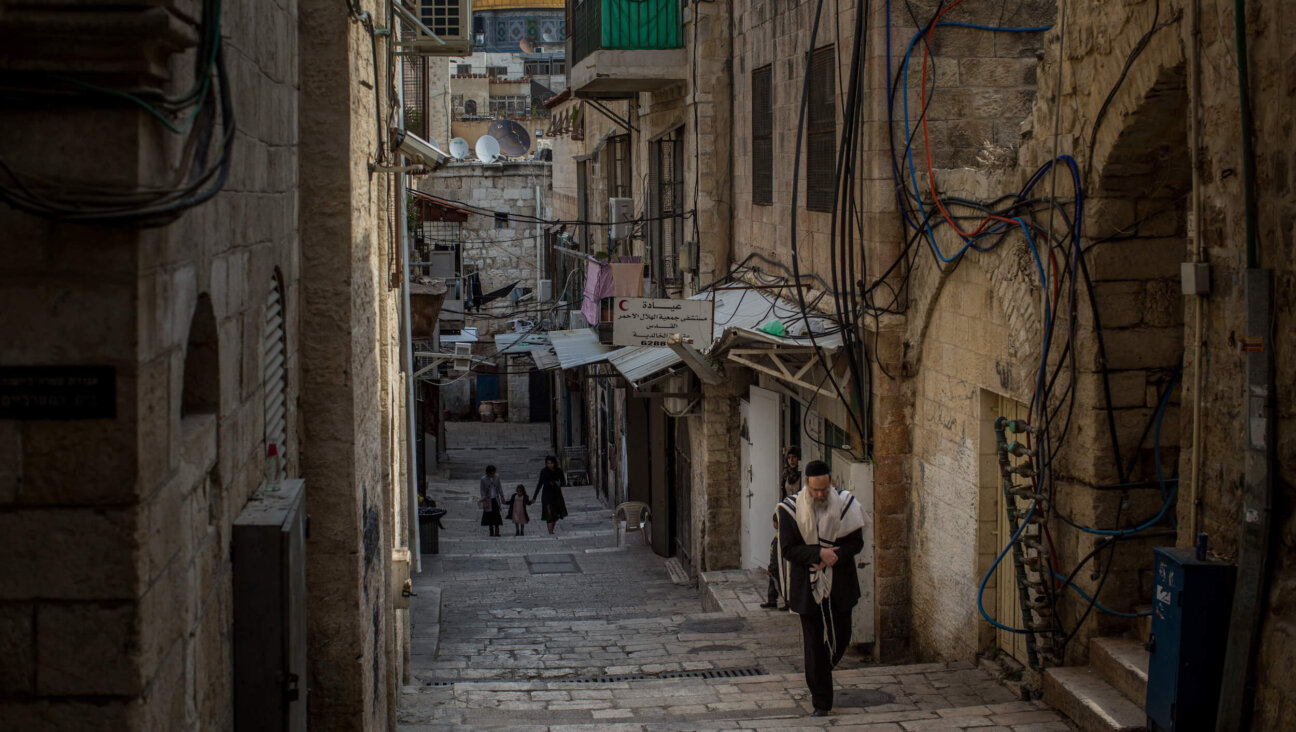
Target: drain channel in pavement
[711,673]
[714,649]
[719,625]
[552,564]
[862,698]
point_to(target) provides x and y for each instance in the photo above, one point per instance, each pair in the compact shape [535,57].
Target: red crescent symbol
[622,305]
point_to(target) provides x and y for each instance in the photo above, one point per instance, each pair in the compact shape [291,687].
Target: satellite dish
[512,137]
[488,148]
[527,45]
[459,148]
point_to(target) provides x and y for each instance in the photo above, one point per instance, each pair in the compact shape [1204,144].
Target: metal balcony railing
[624,25]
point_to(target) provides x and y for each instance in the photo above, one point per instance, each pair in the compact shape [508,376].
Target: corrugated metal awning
[578,347]
[739,312]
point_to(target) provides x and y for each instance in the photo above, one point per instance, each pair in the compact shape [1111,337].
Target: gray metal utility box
[269,556]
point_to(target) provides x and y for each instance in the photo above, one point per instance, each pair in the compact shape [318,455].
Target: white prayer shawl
[841,515]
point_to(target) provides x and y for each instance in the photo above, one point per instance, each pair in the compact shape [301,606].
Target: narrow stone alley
[571,631]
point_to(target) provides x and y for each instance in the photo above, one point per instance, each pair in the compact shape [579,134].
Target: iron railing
[624,25]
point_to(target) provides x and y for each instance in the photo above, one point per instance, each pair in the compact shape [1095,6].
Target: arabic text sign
[641,321]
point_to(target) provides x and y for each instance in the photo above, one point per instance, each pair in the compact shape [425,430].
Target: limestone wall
[502,252]
[118,584]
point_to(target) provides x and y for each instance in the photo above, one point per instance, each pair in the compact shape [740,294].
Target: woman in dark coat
[492,497]
[552,506]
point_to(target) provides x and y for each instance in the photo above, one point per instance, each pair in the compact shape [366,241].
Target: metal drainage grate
[862,698]
[711,673]
[714,649]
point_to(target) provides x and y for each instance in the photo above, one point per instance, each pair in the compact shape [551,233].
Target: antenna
[459,148]
[488,149]
[512,137]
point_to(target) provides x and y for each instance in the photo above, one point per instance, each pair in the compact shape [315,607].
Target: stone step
[1142,630]
[1093,704]
[1123,663]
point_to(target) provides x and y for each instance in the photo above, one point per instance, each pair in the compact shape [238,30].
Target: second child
[517,511]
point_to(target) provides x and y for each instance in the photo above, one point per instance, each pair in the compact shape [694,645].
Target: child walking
[517,504]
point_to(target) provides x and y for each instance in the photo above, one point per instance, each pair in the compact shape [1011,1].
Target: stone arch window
[274,370]
[201,393]
[470,106]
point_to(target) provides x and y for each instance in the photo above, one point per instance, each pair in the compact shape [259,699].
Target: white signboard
[642,321]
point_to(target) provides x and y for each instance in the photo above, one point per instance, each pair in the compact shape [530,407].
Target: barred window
[463,69]
[509,106]
[821,147]
[616,160]
[496,71]
[762,152]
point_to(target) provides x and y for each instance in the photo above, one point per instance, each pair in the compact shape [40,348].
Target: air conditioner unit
[689,256]
[546,290]
[621,214]
[463,357]
[450,20]
[576,320]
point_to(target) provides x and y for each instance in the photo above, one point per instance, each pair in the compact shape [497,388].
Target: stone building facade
[502,249]
[116,604]
[1144,98]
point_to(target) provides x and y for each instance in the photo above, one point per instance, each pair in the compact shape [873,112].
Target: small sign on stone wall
[643,321]
[58,392]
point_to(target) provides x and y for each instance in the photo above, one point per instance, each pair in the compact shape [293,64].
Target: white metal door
[762,490]
[744,474]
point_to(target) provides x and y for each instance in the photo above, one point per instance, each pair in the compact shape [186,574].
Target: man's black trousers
[819,662]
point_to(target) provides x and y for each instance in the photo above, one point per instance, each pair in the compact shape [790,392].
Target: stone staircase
[876,698]
[1109,694]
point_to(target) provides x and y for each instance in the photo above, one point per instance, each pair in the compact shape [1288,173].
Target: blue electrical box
[1190,618]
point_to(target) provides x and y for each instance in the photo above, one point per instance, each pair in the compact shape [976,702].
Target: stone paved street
[571,631]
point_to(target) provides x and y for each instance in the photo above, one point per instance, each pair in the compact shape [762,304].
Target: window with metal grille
[274,372]
[616,160]
[496,71]
[416,98]
[666,188]
[442,17]
[470,107]
[762,136]
[509,106]
[463,69]
[821,137]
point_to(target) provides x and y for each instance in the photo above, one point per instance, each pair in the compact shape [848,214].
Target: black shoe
[769,605]
[784,608]
[819,713]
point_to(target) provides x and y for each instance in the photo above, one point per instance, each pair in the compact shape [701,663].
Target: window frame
[821,130]
[762,161]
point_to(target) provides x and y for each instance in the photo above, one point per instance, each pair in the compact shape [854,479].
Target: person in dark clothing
[790,479]
[772,592]
[491,498]
[549,489]
[820,531]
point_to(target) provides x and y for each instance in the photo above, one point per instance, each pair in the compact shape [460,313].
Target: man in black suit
[820,531]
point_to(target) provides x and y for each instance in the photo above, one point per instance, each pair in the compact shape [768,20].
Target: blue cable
[1098,605]
[1165,399]
[990,572]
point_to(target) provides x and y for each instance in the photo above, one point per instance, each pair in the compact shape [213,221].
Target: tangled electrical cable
[192,113]
[1061,268]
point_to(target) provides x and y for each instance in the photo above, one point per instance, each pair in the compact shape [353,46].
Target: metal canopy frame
[796,365]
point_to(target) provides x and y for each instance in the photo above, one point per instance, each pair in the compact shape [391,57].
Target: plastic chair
[636,515]
[575,464]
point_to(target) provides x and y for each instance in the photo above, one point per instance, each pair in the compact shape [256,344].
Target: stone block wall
[501,252]
[119,586]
